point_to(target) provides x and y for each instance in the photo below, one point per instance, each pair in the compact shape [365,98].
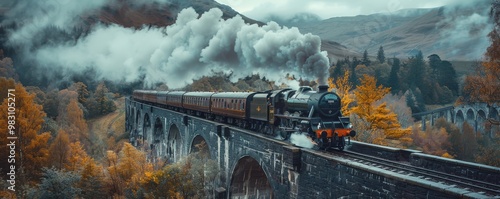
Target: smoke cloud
[192,47]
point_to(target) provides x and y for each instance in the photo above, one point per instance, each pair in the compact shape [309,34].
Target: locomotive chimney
[322,88]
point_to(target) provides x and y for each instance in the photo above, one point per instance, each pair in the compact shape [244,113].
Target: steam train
[273,112]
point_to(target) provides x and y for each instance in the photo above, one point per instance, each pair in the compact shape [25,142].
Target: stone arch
[200,145]
[249,180]
[158,138]
[470,118]
[480,120]
[138,121]
[459,118]
[146,130]
[136,127]
[174,144]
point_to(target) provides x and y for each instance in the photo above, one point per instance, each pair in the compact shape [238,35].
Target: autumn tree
[92,181]
[81,89]
[432,141]
[488,152]
[64,97]
[31,145]
[192,177]
[470,145]
[377,117]
[127,169]
[59,150]
[76,124]
[484,86]
[342,87]
[92,175]
[397,104]
[456,140]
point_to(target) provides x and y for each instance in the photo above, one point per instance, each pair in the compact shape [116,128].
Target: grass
[108,132]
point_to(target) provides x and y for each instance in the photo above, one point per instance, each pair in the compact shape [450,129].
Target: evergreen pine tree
[380,55]
[393,81]
[366,61]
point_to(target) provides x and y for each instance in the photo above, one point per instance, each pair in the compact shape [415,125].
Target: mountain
[127,13]
[453,32]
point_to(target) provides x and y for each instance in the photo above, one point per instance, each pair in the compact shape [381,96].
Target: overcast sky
[260,9]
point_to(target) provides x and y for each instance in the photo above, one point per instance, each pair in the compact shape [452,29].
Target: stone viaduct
[474,114]
[255,166]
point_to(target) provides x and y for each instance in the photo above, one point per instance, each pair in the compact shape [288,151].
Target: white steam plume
[301,140]
[192,47]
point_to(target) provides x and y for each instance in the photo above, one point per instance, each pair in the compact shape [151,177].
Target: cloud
[468,27]
[34,16]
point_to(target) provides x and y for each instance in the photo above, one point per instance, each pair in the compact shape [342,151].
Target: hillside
[129,13]
[108,131]
[454,33]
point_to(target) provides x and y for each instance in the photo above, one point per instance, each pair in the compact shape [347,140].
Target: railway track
[405,168]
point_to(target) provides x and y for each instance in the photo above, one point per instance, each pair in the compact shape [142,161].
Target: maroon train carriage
[161,97]
[145,95]
[150,96]
[230,105]
[174,99]
[197,103]
[137,95]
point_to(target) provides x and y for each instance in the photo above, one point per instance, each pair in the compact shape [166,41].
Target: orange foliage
[31,146]
[128,168]
[484,86]
[77,126]
[433,141]
[78,157]
[342,87]
[59,150]
[377,117]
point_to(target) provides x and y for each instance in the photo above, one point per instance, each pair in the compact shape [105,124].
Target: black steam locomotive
[274,112]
